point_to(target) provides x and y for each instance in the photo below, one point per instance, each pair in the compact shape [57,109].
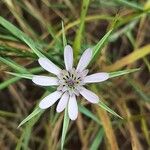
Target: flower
[70,82]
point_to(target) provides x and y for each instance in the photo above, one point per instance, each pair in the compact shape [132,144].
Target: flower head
[70,82]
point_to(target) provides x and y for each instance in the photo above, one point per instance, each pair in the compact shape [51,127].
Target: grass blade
[65,128]
[78,37]
[98,139]
[88,113]
[130,4]
[26,76]
[98,47]
[63,35]
[33,114]
[13,65]
[130,58]
[20,35]
[123,72]
[8,82]
[105,107]
[32,45]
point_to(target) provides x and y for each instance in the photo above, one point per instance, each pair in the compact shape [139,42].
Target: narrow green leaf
[130,4]
[139,90]
[33,46]
[88,113]
[122,72]
[15,79]
[33,114]
[20,35]
[65,128]
[98,47]
[23,142]
[8,82]
[13,65]
[79,33]
[26,76]
[8,114]
[97,140]
[63,35]
[105,107]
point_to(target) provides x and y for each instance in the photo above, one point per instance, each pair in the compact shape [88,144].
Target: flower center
[71,80]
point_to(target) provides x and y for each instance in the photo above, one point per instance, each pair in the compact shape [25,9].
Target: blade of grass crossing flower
[88,113]
[20,35]
[97,140]
[78,37]
[63,35]
[122,72]
[98,47]
[33,114]
[65,128]
[105,107]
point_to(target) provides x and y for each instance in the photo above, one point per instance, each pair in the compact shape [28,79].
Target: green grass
[117,31]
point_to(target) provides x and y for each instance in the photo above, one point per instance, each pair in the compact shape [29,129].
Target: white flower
[70,82]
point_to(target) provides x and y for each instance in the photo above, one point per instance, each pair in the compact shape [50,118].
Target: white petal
[50,100]
[97,77]
[89,95]
[49,66]
[84,60]
[72,108]
[68,57]
[45,81]
[62,102]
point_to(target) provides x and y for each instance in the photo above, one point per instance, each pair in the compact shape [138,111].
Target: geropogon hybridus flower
[69,81]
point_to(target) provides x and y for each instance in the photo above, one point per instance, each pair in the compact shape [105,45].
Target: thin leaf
[97,140]
[63,35]
[8,82]
[8,114]
[20,35]
[139,90]
[105,107]
[13,65]
[33,46]
[15,79]
[26,76]
[65,128]
[88,113]
[130,58]
[79,33]
[25,137]
[130,4]
[98,47]
[33,114]
[123,72]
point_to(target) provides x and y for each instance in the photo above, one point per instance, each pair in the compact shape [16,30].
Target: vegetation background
[85,23]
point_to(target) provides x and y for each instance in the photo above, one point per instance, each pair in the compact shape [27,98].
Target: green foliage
[33,114]
[105,107]
[79,34]
[122,72]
